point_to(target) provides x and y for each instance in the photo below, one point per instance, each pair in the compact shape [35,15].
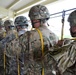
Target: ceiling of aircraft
[12,8]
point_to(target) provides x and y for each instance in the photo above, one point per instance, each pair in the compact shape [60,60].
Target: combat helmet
[39,12]
[8,23]
[72,18]
[21,21]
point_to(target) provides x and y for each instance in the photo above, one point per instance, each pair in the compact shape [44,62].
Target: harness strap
[42,44]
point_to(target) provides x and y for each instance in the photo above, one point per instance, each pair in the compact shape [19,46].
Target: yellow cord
[42,43]
[73,38]
[16,34]
[17,58]
[41,38]
[4,34]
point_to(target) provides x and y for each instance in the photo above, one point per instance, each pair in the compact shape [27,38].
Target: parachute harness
[42,43]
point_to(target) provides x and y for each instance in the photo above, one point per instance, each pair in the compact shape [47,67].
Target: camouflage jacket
[10,41]
[1,50]
[31,47]
[2,34]
[66,56]
[12,50]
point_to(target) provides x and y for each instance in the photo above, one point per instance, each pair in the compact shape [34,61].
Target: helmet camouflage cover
[72,18]
[21,21]
[8,23]
[39,12]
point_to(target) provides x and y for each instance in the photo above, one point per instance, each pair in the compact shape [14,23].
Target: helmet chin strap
[44,21]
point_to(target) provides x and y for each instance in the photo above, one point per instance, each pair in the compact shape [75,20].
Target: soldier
[14,66]
[2,30]
[21,24]
[10,47]
[36,43]
[67,60]
[1,50]
[71,70]
[9,27]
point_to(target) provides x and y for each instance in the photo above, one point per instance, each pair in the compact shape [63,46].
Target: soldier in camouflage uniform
[14,66]
[9,27]
[21,24]
[67,59]
[36,61]
[1,50]
[10,48]
[2,30]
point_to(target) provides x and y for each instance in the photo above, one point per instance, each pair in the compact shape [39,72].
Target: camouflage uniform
[67,60]
[1,50]
[11,49]
[2,30]
[31,47]
[21,24]
[65,56]
[33,55]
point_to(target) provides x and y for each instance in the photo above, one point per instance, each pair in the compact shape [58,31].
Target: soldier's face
[36,23]
[18,28]
[73,31]
[6,28]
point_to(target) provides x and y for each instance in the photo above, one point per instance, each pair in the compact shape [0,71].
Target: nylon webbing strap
[4,34]
[42,43]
